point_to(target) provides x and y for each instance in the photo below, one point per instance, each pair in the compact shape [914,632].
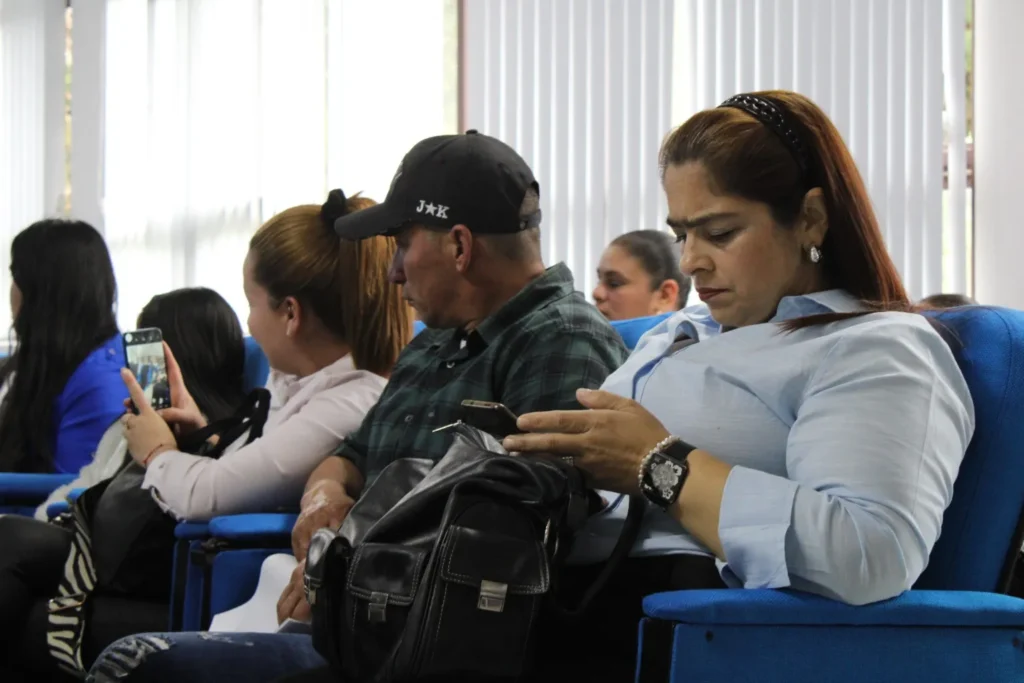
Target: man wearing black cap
[465,212]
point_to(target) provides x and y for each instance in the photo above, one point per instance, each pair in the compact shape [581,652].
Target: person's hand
[184,415]
[146,433]
[292,603]
[324,506]
[608,441]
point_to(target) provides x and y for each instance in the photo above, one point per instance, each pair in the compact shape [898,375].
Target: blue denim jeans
[205,658]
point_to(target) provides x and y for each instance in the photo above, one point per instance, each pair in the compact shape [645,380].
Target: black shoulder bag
[123,542]
[442,572]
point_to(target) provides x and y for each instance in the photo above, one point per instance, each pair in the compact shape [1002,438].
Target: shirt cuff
[756,513]
[155,473]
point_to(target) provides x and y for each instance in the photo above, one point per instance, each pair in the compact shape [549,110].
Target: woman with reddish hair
[802,429]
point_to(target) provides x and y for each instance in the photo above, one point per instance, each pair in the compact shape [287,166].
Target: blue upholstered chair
[955,625]
[257,369]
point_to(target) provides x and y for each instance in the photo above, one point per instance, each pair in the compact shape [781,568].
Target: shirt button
[450,364]
[408,419]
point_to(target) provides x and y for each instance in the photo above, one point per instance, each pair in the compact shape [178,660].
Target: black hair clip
[774,116]
[334,208]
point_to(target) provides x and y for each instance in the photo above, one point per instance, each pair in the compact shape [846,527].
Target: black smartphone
[144,355]
[488,416]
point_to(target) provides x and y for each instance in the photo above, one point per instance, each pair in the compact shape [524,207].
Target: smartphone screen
[144,352]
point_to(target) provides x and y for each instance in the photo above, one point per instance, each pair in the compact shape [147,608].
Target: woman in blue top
[62,386]
[801,428]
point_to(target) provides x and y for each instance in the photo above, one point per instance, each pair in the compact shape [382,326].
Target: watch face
[665,477]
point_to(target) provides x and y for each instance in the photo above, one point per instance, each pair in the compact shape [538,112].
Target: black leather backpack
[442,572]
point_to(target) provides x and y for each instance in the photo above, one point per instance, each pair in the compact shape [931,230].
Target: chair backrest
[631,330]
[257,369]
[981,530]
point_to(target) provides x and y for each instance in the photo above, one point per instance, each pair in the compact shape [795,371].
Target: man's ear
[814,219]
[461,246]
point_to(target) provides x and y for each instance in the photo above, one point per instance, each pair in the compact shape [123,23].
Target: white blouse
[309,418]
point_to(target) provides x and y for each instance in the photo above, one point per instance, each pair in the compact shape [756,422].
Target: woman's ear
[291,310]
[666,297]
[814,219]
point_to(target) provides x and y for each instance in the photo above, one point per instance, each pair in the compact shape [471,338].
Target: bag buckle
[377,609]
[66,602]
[492,596]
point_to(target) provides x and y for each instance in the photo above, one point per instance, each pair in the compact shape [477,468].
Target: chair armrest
[191,531]
[253,527]
[57,508]
[61,506]
[24,486]
[792,608]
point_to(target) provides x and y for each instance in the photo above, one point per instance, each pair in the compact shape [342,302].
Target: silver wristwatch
[663,471]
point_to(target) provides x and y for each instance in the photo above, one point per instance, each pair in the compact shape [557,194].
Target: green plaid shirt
[532,355]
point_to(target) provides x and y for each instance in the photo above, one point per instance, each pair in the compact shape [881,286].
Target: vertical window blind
[31,121]
[582,89]
[586,90]
[194,120]
[221,113]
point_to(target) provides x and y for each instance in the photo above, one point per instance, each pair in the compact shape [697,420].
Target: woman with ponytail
[332,327]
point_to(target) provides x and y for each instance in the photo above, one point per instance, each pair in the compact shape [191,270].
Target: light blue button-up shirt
[845,440]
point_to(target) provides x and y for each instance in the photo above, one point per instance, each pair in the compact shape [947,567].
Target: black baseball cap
[473,180]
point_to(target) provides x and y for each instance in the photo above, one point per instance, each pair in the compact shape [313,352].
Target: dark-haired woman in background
[639,276]
[61,387]
[803,429]
[204,334]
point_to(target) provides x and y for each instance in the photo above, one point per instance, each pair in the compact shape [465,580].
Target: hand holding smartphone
[144,354]
[488,416]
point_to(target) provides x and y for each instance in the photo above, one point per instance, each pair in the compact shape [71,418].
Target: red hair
[747,159]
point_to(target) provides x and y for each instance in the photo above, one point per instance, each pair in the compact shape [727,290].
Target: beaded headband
[775,118]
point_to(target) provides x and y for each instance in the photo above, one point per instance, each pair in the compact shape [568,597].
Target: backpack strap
[627,537]
[251,417]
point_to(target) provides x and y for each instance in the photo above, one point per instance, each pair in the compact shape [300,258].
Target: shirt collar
[789,308]
[286,386]
[555,283]
[828,301]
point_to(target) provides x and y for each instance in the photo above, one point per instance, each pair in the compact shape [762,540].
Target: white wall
[998,153]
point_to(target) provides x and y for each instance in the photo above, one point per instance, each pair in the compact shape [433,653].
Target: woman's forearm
[699,504]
